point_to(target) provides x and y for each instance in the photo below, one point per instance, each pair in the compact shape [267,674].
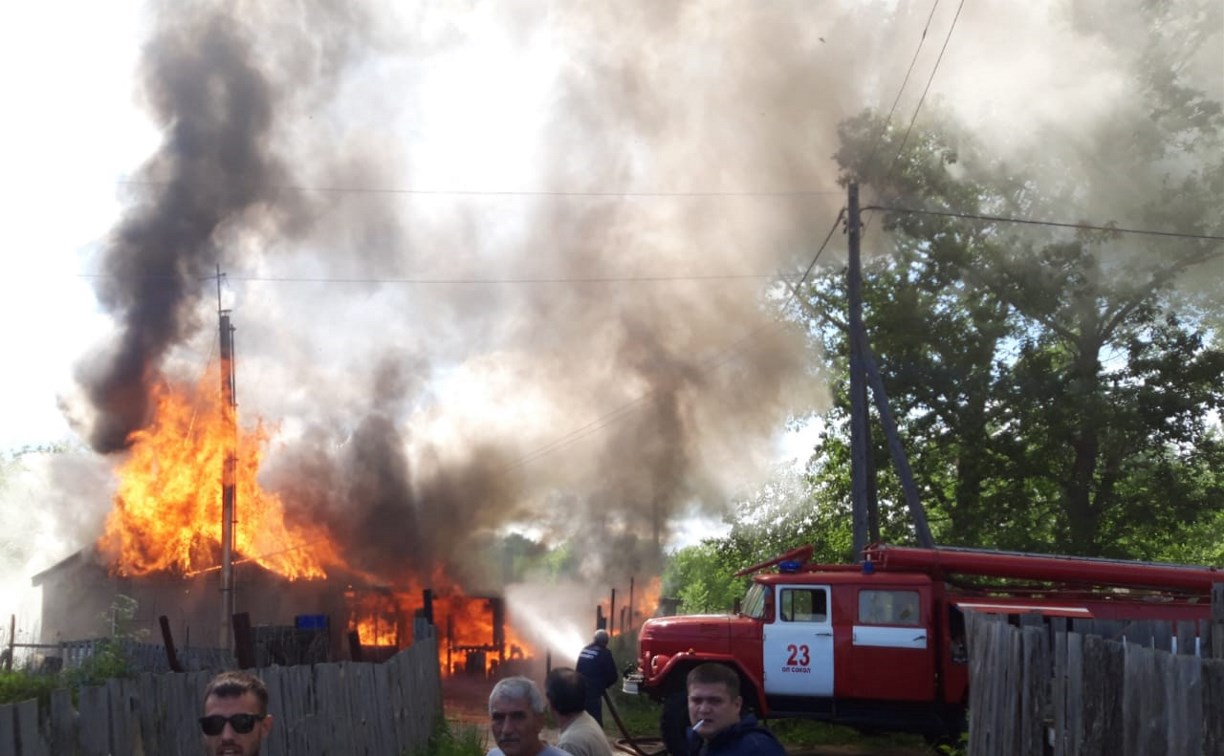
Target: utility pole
[858,386]
[863,374]
[229,470]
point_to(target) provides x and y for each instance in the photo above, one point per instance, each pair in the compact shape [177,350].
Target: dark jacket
[598,669]
[744,738]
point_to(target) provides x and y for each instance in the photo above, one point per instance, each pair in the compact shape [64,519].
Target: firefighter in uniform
[597,666]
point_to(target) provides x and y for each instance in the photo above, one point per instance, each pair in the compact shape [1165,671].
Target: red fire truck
[881,644]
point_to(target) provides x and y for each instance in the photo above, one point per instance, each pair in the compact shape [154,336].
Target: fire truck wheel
[674,722]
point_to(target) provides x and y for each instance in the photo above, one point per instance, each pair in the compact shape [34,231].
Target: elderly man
[516,717]
[595,663]
[715,710]
[235,717]
[581,735]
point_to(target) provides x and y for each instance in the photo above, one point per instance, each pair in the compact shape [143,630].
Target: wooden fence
[1109,689]
[339,709]
[144,657]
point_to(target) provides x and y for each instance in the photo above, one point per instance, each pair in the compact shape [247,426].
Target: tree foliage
[1057,388]
[702,580]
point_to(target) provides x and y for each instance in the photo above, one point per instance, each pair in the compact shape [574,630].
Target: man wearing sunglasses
[235,717]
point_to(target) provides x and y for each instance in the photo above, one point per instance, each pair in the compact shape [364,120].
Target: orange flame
[167,517]
[647,603]
[167,510]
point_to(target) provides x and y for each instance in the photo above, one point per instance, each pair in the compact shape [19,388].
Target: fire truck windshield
[754,602]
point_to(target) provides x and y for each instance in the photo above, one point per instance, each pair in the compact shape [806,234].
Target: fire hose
[630,744]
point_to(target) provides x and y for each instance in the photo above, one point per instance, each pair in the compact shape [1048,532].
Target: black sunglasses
[242,723]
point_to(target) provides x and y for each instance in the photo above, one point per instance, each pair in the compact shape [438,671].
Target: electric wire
[905,81]
[927,89]
[457,281]
[921,100]
[896,100]
[520,193]
[543,280]
[1055,224]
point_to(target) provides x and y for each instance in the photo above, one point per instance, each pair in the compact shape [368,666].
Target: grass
[639,713]
[21,685]
[805,733]
[452,738]
[641,718]
[107,662]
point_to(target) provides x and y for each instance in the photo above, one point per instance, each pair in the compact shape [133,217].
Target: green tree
[1055,388]
[703,582]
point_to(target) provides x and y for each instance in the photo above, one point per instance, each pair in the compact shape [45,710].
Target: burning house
[83,598]
[192,531]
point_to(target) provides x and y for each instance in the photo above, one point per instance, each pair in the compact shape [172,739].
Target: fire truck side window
[804,605]
[754,602]
[889,608]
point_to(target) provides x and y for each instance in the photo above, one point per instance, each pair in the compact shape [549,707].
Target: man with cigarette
[719,726]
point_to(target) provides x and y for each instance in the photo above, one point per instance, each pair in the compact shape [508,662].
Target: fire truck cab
[881,644]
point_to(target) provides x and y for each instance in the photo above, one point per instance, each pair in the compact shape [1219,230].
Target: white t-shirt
[548,751]
[584,737]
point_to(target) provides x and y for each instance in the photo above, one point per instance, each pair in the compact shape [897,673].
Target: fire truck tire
[674,722]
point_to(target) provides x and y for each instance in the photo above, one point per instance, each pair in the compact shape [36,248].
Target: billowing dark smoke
[215,165]
[626,401]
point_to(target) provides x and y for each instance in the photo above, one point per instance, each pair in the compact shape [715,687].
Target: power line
[896,100]
[931,78]
[884,126]
[465,281]
[1056,224]
[564,280]
[519,193]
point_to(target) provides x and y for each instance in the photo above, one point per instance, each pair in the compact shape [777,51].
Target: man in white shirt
[581,735]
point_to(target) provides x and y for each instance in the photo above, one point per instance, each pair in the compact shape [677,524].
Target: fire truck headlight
[657,663]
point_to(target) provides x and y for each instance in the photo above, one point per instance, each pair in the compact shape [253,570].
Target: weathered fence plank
[32,743]
[1213,705]
[1185,707]
[8,729]
[1217,620]
[1187,638]
[978,638]
[121,740]
[1074,695]
[147,715]
[63,723]
[328,687]
[1139,690]
[1034,691]
[1096,673]
[384,723]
